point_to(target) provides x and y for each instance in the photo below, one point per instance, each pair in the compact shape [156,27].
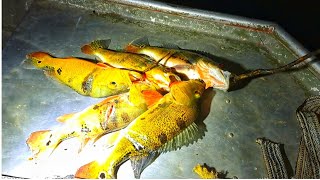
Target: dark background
[301,19]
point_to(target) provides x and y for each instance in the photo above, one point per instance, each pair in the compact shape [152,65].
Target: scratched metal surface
[265,107]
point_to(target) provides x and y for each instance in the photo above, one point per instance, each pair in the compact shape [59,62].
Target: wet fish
[191,64]
[166,126]
[154,72]
[118,59]
[111,114]
[85,77]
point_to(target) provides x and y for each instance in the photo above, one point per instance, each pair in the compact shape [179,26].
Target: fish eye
[39,62]
[102,175]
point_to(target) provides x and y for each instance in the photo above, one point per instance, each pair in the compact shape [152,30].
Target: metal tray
[265,107]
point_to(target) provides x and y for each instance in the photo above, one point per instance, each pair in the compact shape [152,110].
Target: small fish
[167,125]
[111,114]
[85,77]
[118,59]
[190,64]
[154,72]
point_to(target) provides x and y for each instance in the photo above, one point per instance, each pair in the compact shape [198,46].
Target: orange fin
[151,97]
[65,118]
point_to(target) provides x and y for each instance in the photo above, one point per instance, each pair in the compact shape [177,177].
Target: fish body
[151,131]
[85,77]
[111,114]
[154,72]
[118,59]
[191,64]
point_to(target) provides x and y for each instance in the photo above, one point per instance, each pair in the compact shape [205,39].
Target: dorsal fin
[94,45]
[143,41]
[191,134]
[151,97]
[170,46]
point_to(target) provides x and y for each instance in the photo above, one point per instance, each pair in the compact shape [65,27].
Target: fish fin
[64,118]
[151,97]
[188,136]
[170,46]
[136,44]
[139,163]
[135,76]
[94,45]
[84,142]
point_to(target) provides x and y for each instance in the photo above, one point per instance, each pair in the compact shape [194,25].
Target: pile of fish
[152,101]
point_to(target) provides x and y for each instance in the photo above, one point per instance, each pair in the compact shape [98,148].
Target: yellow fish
[118,59]
[154,72]
[190,64]
[166,126]
[85,77]
[111,114]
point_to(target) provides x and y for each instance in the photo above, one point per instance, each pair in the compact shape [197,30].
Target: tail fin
[137,44]
[40,143]
[94,45]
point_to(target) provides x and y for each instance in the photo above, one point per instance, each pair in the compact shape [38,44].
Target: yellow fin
[65,118]
[188,136]
[151,97]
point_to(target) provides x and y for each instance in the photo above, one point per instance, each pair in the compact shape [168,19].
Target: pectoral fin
[188,136]
[139,163]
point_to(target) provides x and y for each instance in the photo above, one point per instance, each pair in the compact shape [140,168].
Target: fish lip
[226,81]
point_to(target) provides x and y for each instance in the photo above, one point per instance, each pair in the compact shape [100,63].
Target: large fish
[118,59]
[85,77]
[194,65]
[167,125]
[190,64]
[111,114]
[154,72]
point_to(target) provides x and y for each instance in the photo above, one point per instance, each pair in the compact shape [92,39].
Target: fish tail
[94,45]
[40,143]
[137,44]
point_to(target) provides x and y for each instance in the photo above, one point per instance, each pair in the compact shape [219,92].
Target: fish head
[162,77]
[212,75]
[37,59]
[187,92]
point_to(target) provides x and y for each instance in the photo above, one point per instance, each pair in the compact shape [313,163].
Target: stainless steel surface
[265,107]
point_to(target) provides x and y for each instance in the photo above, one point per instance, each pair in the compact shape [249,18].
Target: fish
[117,59]
[192,65]
[154,72]
[88,125]
[167,125]
[85,77]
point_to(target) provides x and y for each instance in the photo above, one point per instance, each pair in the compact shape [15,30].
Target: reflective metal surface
[265,107]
